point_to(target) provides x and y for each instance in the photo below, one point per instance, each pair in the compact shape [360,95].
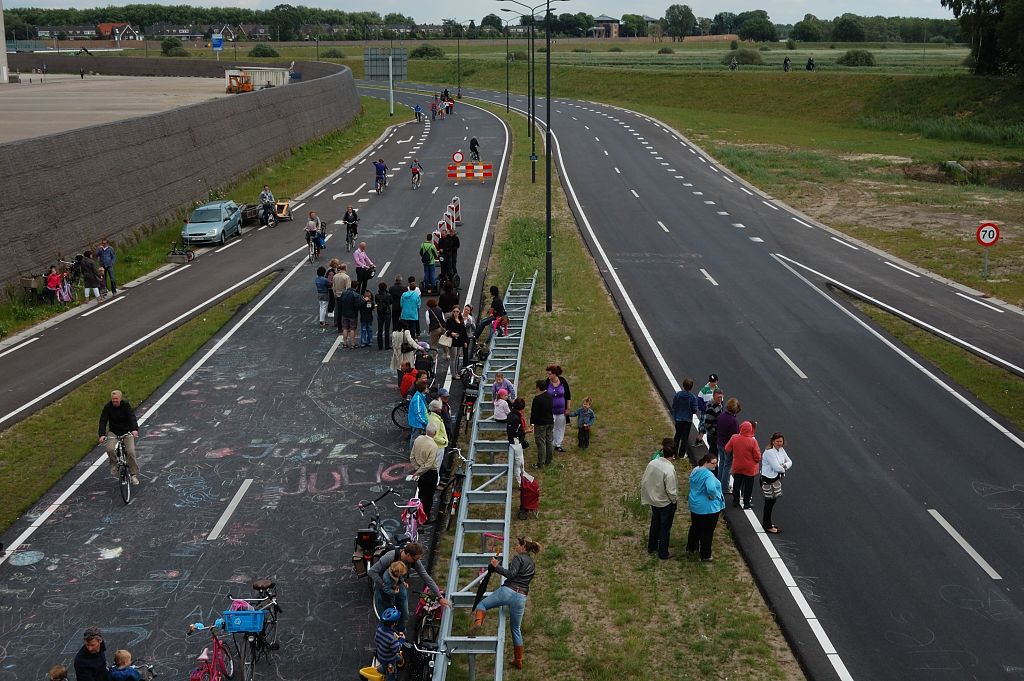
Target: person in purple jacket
[727,427]
[561,404]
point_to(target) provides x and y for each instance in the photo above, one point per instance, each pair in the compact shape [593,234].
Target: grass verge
[1001,390]
[37,451]
[287,176]
[597,594]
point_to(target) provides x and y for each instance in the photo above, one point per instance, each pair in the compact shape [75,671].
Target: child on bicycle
[122,670]
[388,642]
[585,417]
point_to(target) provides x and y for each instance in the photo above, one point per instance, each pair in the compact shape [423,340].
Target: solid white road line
[19,346]
[228,245]
[633,192]
[662,225]
[785,262]
[906,271]
[958,538]
[334,348]
[773,207]
[840,241]
[973,300]
[802,222]
[788,361]
[380,275]
[219,527]
[414,221]
[708,277]
[102,306]
[179,269]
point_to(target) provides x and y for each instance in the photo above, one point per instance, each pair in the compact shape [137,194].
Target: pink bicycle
[216,665]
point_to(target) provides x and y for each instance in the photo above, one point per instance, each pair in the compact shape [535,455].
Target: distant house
[605,27]
[399,29]
[117,31]
[518,30]
[429,30]
[651,22]
[182,32]
[69,32]
[254,32]
[228,31]
[313,31]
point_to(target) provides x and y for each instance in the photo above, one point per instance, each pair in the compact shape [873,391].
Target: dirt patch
[899,160]
[997,174]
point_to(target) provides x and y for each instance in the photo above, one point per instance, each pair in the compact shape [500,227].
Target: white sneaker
[135,480]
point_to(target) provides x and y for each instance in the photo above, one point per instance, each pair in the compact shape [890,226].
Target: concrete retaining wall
[62,193]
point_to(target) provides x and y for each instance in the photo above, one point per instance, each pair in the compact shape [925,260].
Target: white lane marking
[334,348]
[770,205]
[103,306]
[723,212]
[671,170]
[747,191]
[913,274]
[351,193]
[338,179]
[680,177]
[405,141]
[102,459]
[693,152]
[709,203]
[618,171]
[802,222]
[633,191]
[662,225]
[260,229]
[228,245]
[320,192]
[384,269]
[757,239]
[708,277]
[687,184]
[363,200]
[351,170]
[714,169]
[605,151]
[917,322]
[435,190]
[702,159]
[958,538]
[176,270]
[840,241]
[698,193]
[226,516]
[727,179]
[298,206]
[973,300]
[792,365]
[414,221]
[739,225]
[19,346]
[361,162]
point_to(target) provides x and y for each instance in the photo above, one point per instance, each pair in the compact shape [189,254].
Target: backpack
[425,255]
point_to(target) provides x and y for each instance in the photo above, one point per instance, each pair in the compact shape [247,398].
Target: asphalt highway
[254,454]
[899,555]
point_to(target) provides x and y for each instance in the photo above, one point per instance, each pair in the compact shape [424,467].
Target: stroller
[529,496]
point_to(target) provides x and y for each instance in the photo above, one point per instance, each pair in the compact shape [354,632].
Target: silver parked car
[213,222]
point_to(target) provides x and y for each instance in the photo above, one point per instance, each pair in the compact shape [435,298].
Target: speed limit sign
[987,234]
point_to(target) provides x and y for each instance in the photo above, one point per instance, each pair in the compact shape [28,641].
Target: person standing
[456,330]
[105,256]
[339,284]
[561,403]
[666,445]
[709,420]
[512,593]
[383,302]
[441,437]
[364,267]
[516,430]
[542,419]
[659,489]
[449,247]
[323,294]
[705,502]
[435,322]
[410,315]
[428,256]
[684,408]
[90,276]
[424,457]
[706,393]
[119,417]
[746,463]
[396,290]
[401,337]
[418,408]
[775,463]
[91,660]
[366,321]
[585,418]
[348,310]
[727,427]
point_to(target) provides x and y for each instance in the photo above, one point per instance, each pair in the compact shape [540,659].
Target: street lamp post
[507,108]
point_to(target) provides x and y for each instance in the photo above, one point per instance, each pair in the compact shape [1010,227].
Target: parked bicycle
[472,385]
[451,491]
[217,664]
[144,670]
[422,658]
[124,474]
[258,628]
[374,539]
[400,414]
[181,249]
[411,517]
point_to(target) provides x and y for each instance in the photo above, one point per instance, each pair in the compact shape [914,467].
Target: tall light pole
[3,52]
[458,58]
[547,159]
[531,86]
[507,107]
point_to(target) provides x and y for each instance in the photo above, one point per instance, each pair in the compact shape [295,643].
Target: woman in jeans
[727,427]
[513,593]
[706,502]
[561,403]
[746,463]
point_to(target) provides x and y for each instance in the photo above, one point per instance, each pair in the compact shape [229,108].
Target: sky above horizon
[781,11]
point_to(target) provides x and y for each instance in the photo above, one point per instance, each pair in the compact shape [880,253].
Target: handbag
[445,340]
[407,347]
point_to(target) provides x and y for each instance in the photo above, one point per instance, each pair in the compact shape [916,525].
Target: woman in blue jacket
[706,502]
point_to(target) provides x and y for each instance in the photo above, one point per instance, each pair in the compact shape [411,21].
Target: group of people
[731,465]
[91,662]
[442,105]
[95,268]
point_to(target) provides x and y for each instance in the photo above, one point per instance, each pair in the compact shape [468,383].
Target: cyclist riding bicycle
[474,149]
[314,226]
[120,417]
[418,111]
[266,204]
[382,172]
[416,168]
[351,220]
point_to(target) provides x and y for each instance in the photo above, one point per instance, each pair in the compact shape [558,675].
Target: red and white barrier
[458,210]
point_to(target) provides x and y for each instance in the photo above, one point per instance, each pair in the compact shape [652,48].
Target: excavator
[239,83]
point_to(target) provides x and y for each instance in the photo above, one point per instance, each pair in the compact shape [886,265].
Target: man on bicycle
[416,168]
[314,226]
[382,172]
[266,204]
[474,149]
[364,267]
[418,110]
[120,417]
[410,554]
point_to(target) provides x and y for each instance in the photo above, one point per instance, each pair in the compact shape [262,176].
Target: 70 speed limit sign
[987,234]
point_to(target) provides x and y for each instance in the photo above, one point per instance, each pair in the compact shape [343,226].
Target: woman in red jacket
[746,463]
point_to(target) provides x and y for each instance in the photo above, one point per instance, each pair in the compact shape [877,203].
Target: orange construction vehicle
[239,83]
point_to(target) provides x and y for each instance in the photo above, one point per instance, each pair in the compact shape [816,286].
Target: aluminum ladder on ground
[486,506]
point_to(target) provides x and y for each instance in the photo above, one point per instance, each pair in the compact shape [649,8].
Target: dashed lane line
[103,306]
[176,270]
[708,277]
[913,274]
[965,297]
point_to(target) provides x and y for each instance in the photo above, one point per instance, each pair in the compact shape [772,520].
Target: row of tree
[995,30]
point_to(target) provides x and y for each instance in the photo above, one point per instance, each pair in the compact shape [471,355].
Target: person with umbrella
[512,593]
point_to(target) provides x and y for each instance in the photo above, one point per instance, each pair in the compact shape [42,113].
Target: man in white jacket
[659,489]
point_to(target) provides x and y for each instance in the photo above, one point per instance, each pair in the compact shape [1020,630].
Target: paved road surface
[899,555]
[259,404]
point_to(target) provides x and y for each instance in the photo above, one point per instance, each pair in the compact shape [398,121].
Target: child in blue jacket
[585,418]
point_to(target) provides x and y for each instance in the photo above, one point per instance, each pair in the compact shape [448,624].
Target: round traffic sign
[987,234]
[457,157]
